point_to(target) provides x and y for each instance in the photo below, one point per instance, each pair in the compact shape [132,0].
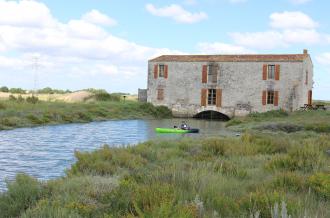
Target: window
[211,98]
[212,74]
[270,97]
[161,70]
[160,94]
[271,71]
[306,79]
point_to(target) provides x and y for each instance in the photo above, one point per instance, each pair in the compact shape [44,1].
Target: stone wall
[241,83]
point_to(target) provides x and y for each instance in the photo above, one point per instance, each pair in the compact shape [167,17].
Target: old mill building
[229,85]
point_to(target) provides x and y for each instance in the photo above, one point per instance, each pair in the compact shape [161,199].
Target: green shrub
[216,147]
[17,91]
[105,161]
[233,122]
[319,127]
[32,99]
[104,96]
[22,194]
[269,114]
[305,158]
[45,209]
[229,169]
[10,121]
[4,89]
[263,202]
[320,184]
[12,98]
[288,181]
[34,119]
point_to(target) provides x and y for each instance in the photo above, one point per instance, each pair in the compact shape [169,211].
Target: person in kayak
[184,125]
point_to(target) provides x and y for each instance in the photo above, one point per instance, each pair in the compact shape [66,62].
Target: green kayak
[174,130]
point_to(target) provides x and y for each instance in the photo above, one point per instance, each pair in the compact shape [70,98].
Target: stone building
[230,85]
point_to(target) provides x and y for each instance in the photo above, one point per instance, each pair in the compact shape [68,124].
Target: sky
[107,43]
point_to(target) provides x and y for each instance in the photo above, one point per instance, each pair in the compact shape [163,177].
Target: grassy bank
[19,113]
[230,177]
[317,121]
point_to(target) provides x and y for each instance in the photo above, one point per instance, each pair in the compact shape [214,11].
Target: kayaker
[184,125]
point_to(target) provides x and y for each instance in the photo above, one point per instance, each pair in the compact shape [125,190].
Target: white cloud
[96,17]
[298,2]
[259,40]
[81,49]
[287,28]
[237,1]
[222,48]
[25,13]
[292,20]
[324,59]
[177,13]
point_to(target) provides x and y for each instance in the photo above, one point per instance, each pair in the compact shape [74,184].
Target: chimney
[305,51]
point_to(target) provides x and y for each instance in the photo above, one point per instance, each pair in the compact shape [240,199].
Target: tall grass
[15,114]
[218,177]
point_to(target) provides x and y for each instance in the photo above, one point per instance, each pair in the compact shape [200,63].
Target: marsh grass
[14,114]
[316,121]
[217,177]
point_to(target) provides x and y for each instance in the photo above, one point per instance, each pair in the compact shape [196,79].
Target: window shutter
[276,98]
[264,97]
[166,72]
[155,71]
[160,94]
[204,74]
[219,98]
[264,72]
[310,97]
[203,97]
[277,71]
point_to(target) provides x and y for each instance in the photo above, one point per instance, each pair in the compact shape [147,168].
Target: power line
[36,67]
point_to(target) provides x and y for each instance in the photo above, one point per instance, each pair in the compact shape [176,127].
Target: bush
[320,184]
[17,91]
[2,106]
[105,161]
[4,89]
[305,158]
[263,202]
[32,99]
[104,96]
[22,194]
[233,122]
[12,98]
[269,114]
[288,181]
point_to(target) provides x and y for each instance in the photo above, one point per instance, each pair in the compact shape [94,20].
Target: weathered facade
[234,85]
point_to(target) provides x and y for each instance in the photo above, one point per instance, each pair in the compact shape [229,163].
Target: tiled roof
[231,58]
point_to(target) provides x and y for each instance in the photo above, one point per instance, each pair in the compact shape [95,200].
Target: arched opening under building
[212,115]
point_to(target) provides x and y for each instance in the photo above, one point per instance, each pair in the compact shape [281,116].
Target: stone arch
[211,115]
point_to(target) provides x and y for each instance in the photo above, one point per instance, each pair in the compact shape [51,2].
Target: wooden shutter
[277,71]
[204,74]
[166,72]
[219,98]
[203,97]
[156,71]
[276,98]
[264,72]
[264,97]
[160,94]
[310,97]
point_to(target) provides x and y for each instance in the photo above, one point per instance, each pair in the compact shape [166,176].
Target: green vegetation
[253,175]
[18,112]
[317,121]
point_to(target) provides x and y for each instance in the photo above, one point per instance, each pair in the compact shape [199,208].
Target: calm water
[45,152]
